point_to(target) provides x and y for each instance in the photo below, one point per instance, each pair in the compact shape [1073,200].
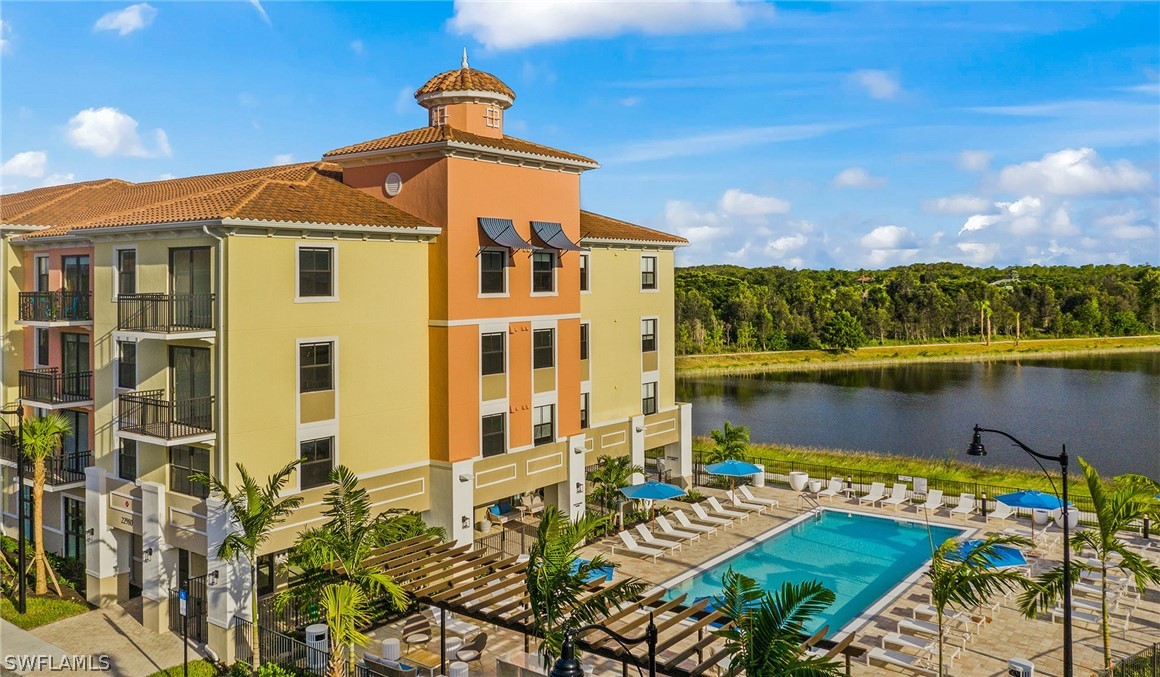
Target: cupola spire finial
[465,58]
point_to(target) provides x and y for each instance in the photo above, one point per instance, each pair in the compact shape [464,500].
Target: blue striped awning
[552,234]
[503,233]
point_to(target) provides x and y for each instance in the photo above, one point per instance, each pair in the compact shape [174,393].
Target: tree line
[722,308]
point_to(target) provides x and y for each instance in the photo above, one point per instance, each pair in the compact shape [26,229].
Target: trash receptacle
[318,643]
[1020,667]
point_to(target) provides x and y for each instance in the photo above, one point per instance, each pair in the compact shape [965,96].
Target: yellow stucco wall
[11,280]
[614,309]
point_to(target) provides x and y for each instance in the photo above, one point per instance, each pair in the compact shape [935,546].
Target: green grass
[197,668]
[742,363]
[40,611]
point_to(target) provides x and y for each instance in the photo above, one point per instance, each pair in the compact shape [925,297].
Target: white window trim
[117,267]
[493,408]
[587,255]
[311,431]
[439,116]
[656,274]
[36,347]
[310,434]
[656,322]
[136,461]
[48,268]
[479,275]
[555,275]
[298,297]
[117,366]
[493,116]
[588,325]
[555,345]
[555,420]
[656,384]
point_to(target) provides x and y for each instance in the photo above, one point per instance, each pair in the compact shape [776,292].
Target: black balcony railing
[56,306]
[58,469]
[148,412]
[165,313]
[49,386]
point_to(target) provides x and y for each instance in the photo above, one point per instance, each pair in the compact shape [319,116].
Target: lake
[1105,408]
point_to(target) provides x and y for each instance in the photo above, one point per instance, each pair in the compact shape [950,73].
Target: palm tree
[966,580]
[731,442]
[766,629]
[1117,507]
[345,607]
[42,438]
[556,579]
[612,474]
[254,511]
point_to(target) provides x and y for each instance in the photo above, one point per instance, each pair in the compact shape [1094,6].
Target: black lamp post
[568,666]
[21,556]
[976,449]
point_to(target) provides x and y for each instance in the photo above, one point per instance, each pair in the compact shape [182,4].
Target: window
[583,272]
[492,271]
[74,528]
[648,398]
[315,272]
[492,116]
[542,428]
[648,272]
[126,271]
[543,272]
[184,462]
[41,273]
[126,364]
[42,347]
[492,440]
[585,410]
[439,116]
[491,354]
[648,336]
[76,442]
[314,366]
[317,461]
[127,462]
[584,341]
[266,579]
[543,348]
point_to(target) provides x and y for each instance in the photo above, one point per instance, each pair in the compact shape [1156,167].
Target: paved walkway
[17,643]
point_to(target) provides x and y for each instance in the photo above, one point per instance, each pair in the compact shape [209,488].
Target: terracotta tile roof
[304,193]
[605,228]
[465,79]
[444,134]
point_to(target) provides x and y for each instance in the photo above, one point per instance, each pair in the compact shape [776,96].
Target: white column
[229,580]
[637,447]
[574,502]
[683,471]
[159,561]
[100,541]
[453,500]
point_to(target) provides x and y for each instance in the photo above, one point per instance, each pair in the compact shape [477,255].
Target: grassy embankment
[197,668]
[751,363]
[40,611]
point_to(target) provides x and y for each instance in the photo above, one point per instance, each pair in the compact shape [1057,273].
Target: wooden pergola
[492,588]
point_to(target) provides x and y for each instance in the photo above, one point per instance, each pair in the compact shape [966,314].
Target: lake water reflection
[1106,408]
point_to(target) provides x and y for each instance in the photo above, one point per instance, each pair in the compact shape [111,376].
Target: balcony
[165,316]
[148,416]
[59,470]
[56,308]
[48,388]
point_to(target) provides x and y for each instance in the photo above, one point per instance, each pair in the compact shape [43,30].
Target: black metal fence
[290,653]
[1144,664]
[196,610]
[56,306]
[49,386]
[165,313]
[511,539]
[147,412]
[290,618]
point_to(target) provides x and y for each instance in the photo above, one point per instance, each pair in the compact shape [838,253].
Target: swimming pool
[860,557]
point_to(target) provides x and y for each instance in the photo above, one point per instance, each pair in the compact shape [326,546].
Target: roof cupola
[466,99]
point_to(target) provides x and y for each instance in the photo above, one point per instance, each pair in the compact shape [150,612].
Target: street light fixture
[976,448]
[568,666]
[21,555]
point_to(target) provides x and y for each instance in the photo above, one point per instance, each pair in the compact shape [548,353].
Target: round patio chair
[416,631]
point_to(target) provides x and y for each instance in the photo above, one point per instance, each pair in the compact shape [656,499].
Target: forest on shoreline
[723,308]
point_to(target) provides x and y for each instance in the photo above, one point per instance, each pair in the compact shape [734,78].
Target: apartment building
[432,309]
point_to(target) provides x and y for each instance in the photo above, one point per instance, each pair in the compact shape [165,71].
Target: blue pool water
[857,556]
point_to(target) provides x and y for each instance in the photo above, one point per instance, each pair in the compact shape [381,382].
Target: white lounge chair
[933,503]
[928,612]
[739,502]
[654,542]
[965,507]
[897,496]
[926,648]
[668,529]
[1120,621]
[725,512]
[832,490]
[635,548]
[1001,512]
[686,523]
[877,493]
[911,626]
[916,664]
[455,626]
[703,516]
[769,502]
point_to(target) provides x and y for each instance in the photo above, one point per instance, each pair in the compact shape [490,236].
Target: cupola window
[439,116]
[493,116]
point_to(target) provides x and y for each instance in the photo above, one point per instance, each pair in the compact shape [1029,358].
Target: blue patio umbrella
[1031,499]
[1001,557]
[732,468]
[652,491]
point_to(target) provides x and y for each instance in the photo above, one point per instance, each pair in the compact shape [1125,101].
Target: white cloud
[5,37]
[736,202]
[695,226]
[1133,232]
[125,21]
[283,159]
[979,222]
[978,253]
[30,164]
[781,246]
[957,204]
[257,5]
[720,142]
[888,237]
[107,131]
[58,179]
[522,23]
[856,177]
[358,47]
[877,84]
[974,160]
[631,101]
[1073,172]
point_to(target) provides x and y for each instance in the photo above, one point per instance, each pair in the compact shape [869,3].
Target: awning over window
[553,235]
[503,233]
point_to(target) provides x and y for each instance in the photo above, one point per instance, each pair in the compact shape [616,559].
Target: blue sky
[804,135]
